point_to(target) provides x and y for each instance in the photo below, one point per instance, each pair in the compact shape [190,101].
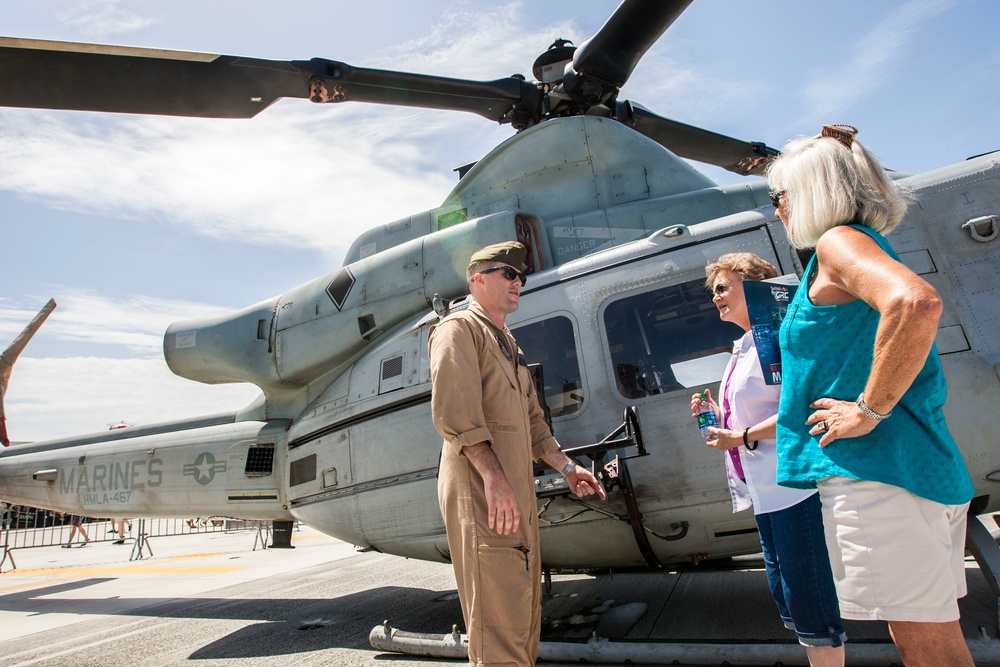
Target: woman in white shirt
[789,521]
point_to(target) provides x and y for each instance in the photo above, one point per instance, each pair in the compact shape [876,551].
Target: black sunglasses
[776,197]
[509,272]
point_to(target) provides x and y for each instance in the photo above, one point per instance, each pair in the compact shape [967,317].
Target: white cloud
[54,398]
[480,43]
[99,19]
[84,316]
[297,175]
[281,179]
[877,55]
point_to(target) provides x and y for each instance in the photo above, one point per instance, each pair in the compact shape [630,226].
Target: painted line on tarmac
[68,573]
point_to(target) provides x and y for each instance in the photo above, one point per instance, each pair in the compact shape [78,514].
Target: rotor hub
[549,67]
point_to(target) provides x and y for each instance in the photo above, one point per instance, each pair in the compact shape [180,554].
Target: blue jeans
[799,574]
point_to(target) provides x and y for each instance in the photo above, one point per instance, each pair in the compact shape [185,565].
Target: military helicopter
[620,227]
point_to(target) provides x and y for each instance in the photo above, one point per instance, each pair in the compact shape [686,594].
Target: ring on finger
[822,426]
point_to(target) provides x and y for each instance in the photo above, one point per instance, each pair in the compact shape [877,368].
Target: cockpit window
[667,339]
[552,344]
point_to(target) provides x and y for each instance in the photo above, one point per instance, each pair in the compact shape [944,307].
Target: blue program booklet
[767,302]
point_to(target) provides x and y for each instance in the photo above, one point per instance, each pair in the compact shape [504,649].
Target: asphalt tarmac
[213,600]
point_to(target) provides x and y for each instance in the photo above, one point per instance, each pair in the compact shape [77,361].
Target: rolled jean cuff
[833,640]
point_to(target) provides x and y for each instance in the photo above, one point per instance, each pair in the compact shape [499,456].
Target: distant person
[789,521]
[118,526]
[76,526]
[861,407]
[485,407]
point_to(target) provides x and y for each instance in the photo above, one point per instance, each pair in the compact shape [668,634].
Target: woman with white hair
[860,415]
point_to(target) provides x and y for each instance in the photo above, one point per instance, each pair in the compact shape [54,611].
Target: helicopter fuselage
[615,312]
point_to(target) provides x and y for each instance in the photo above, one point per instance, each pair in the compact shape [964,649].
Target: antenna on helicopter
[119,425]
[440,306]
[10,355]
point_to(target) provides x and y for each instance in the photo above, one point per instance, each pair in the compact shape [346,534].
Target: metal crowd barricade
[263,534]
[141,542]
[4,530]
[24,527]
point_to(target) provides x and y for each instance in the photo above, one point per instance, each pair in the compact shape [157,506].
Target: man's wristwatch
[871,414]
[568,468]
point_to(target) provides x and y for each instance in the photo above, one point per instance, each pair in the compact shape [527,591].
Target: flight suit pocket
[505,365]
[506,584]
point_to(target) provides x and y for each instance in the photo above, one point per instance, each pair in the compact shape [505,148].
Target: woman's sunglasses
[509,272]
[776,197]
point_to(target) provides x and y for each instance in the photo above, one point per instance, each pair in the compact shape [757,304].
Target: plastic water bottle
[706,417]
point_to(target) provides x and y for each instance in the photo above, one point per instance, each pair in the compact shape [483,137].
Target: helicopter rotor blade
[603,63]
[89,77]
[747,158]
[501,100]
[10,355]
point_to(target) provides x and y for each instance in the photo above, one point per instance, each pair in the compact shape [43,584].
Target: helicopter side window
[667,339]
[552,344]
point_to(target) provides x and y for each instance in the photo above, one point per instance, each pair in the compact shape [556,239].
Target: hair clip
[843,133]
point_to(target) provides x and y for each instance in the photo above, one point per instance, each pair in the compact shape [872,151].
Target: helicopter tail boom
[231,469]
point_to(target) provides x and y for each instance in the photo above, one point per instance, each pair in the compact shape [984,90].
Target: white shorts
[895,556]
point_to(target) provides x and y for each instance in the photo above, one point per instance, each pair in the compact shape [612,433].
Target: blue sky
[134,222]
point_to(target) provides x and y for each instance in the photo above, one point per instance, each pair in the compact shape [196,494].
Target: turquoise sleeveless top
[826,352]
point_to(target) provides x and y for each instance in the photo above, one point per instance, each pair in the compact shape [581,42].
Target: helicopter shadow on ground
[709,605]
[637,606]
[718,602]
[706,605]
[346,621]
[302,626]
[316,610]
[282,626]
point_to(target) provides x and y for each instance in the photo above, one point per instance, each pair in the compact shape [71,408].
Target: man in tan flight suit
[484,406]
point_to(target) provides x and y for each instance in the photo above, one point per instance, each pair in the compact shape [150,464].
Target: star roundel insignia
[204,468]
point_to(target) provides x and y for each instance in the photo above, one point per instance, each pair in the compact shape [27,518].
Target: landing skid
[454,646]
[755,649]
